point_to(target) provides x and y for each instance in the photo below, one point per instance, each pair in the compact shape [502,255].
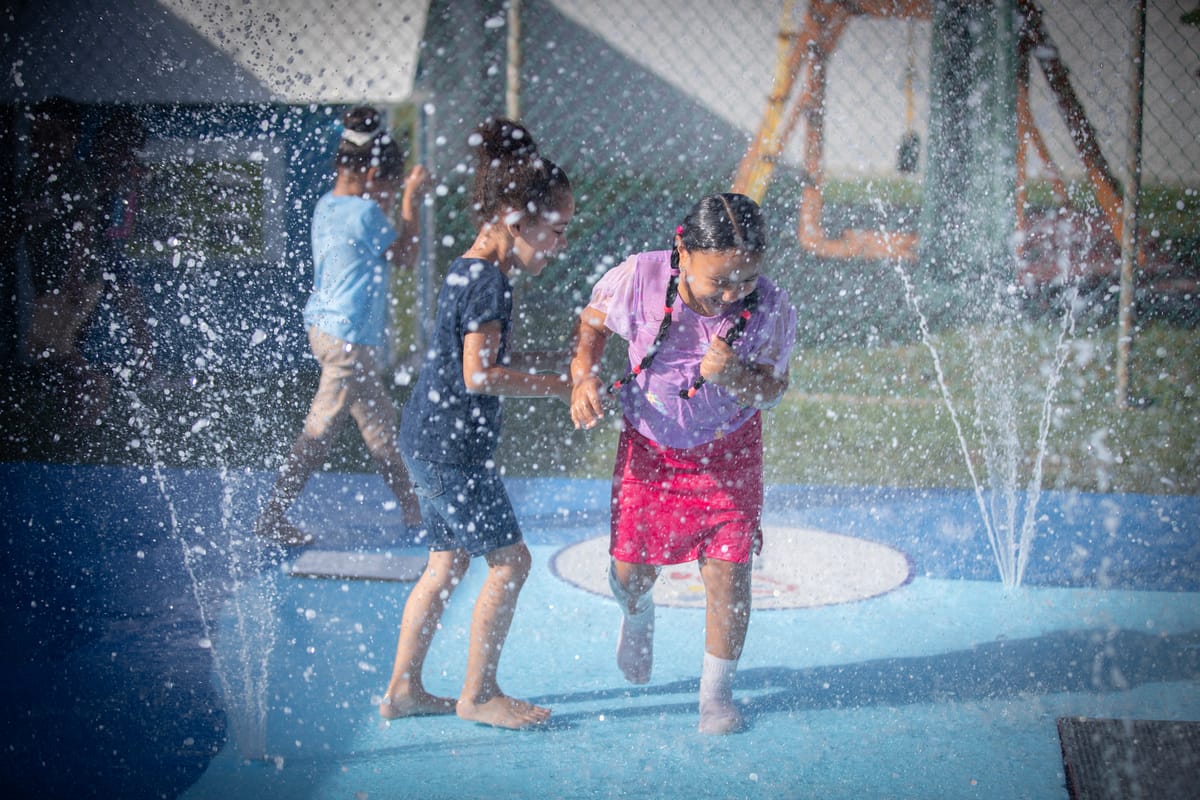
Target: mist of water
[1007,499]
[234,594]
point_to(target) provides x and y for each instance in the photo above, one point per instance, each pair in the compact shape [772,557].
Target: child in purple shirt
[710,338]
[630,296]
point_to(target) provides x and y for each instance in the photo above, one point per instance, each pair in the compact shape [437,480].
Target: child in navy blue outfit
[451,425]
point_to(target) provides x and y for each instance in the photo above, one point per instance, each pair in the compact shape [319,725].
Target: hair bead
[717,222]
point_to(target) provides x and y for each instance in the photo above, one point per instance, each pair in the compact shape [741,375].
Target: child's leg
[631,585]
[727,616]
[305,458]
[406,695]
[375,413]
[326,412]
[481,699]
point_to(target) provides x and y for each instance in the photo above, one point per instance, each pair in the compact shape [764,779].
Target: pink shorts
[671,506]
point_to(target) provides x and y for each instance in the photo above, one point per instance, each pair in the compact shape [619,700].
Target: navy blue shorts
[463,507]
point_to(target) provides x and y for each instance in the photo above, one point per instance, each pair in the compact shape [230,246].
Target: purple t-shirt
[631,296]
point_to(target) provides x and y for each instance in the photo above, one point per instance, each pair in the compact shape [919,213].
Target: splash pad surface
[948,684]
[797,568]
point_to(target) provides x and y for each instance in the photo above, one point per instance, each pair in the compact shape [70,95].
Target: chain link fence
[651,105]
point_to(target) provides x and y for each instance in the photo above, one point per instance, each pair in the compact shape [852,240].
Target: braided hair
[718,222]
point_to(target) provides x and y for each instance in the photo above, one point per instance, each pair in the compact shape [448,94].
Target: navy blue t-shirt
[442,421]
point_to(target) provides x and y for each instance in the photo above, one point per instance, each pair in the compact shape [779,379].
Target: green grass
[1170,209]
[876,416]
[865,407]
[854,415]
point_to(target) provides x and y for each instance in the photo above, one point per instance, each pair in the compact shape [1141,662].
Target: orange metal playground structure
[798,95]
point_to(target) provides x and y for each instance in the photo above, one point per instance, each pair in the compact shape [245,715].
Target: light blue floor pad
[946,686]
[942,688]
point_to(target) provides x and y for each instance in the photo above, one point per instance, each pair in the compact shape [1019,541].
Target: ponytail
[510,173]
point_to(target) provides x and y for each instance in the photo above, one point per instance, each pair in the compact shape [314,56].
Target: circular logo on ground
[798,568]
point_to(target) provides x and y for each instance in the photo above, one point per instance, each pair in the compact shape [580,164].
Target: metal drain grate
[1123,759]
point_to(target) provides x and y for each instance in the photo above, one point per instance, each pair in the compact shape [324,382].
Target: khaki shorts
[351,381]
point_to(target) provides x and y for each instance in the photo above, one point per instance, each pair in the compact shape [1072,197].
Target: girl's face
[537,238]
[714,280]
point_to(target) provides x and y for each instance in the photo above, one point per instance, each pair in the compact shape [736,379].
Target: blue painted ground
[152,647]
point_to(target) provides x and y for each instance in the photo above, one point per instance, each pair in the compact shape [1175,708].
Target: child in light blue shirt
[355,245]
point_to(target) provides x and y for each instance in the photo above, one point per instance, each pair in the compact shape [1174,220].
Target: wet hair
[510,173]
[717,223]
[365,144]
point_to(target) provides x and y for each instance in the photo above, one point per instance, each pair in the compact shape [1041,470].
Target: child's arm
[483,374]
[752,384]
[587,399]
[407,247]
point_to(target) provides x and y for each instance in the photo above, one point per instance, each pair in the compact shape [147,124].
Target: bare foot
[503,711]
[635,646]
[283,533]
[417,704]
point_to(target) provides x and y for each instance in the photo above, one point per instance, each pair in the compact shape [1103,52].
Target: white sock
[718,714]
[635,640]
[716,677]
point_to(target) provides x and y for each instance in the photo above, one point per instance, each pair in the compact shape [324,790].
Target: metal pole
[1133,186]
[426,277]
[512,89]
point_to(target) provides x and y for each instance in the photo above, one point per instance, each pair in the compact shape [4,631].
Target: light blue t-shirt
[351,276]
